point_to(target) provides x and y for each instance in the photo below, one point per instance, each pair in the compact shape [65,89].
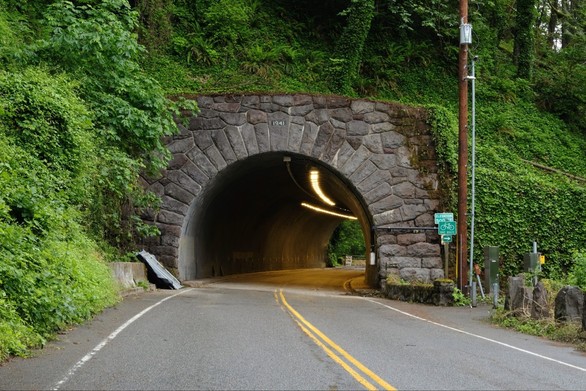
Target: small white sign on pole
[348,260]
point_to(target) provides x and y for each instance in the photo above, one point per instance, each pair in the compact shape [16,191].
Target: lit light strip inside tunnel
[317,209]
[314,178]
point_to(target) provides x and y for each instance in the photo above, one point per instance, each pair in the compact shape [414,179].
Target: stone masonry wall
[384,149]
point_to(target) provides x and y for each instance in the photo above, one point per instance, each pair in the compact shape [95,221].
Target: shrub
[97,45]
[51,274]
[577,273]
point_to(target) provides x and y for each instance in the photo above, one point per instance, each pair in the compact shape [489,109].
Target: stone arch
[378,158]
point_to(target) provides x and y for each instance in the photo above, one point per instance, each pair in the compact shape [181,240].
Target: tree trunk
[524,38]
[552,25]
[348,50]
[156,27]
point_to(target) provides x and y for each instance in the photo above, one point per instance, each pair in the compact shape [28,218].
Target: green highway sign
[439,217]
[446,228]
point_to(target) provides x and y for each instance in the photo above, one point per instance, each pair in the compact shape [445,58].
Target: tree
[347,239]
[348,51]
[155,22]
[97,44]
[524,37]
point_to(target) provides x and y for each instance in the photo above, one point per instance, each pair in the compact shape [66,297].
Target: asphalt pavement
[273,331]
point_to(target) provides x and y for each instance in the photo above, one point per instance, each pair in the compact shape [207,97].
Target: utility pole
[462,227]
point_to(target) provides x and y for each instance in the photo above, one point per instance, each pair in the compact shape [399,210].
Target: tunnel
[263,213]
[232,195]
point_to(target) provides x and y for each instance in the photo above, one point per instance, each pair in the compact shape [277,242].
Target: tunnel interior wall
[264,229]
[382,154]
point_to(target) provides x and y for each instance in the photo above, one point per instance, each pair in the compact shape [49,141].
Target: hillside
[529,111]
[84,90]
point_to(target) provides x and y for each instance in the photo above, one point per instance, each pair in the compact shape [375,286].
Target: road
[297,330]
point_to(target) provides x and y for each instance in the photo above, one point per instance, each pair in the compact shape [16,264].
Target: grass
[565,332]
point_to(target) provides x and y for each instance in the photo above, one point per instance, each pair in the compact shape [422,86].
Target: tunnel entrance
[264,213]
[232,194]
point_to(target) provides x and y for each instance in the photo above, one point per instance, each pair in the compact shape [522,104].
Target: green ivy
[524,40]
[71,153]
[578,270]
[518,206]
[444,128]
[130,114]
[348,52]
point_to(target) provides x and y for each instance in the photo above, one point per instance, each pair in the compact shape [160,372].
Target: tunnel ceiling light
[317,209]
[314,178]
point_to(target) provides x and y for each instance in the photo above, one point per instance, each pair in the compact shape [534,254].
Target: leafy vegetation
[79,121]
[577,275]
[83,110]
[51,274]
[460,299]
[548,327]
[349,47]
[531,84]
[347,239]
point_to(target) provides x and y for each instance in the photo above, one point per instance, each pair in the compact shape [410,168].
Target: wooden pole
[462,225]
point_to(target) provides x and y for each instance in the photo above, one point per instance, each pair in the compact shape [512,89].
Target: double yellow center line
[335,352]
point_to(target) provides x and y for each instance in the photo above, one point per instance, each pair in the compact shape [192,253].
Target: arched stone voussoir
[195,173]
[216,158]
[184,181]
[378,193]
[236,140]
[170,218]
[373,180]
[178,193]
[248,135]
[295,137]
[173,205]
[364,171]
[361,155]
[310,132]
[201,160]
[331,151]
[224,146]
[324,133]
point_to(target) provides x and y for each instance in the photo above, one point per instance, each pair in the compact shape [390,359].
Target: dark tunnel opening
[250,218]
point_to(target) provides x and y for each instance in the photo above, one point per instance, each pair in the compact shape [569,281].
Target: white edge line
[479,336]
[110,337]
